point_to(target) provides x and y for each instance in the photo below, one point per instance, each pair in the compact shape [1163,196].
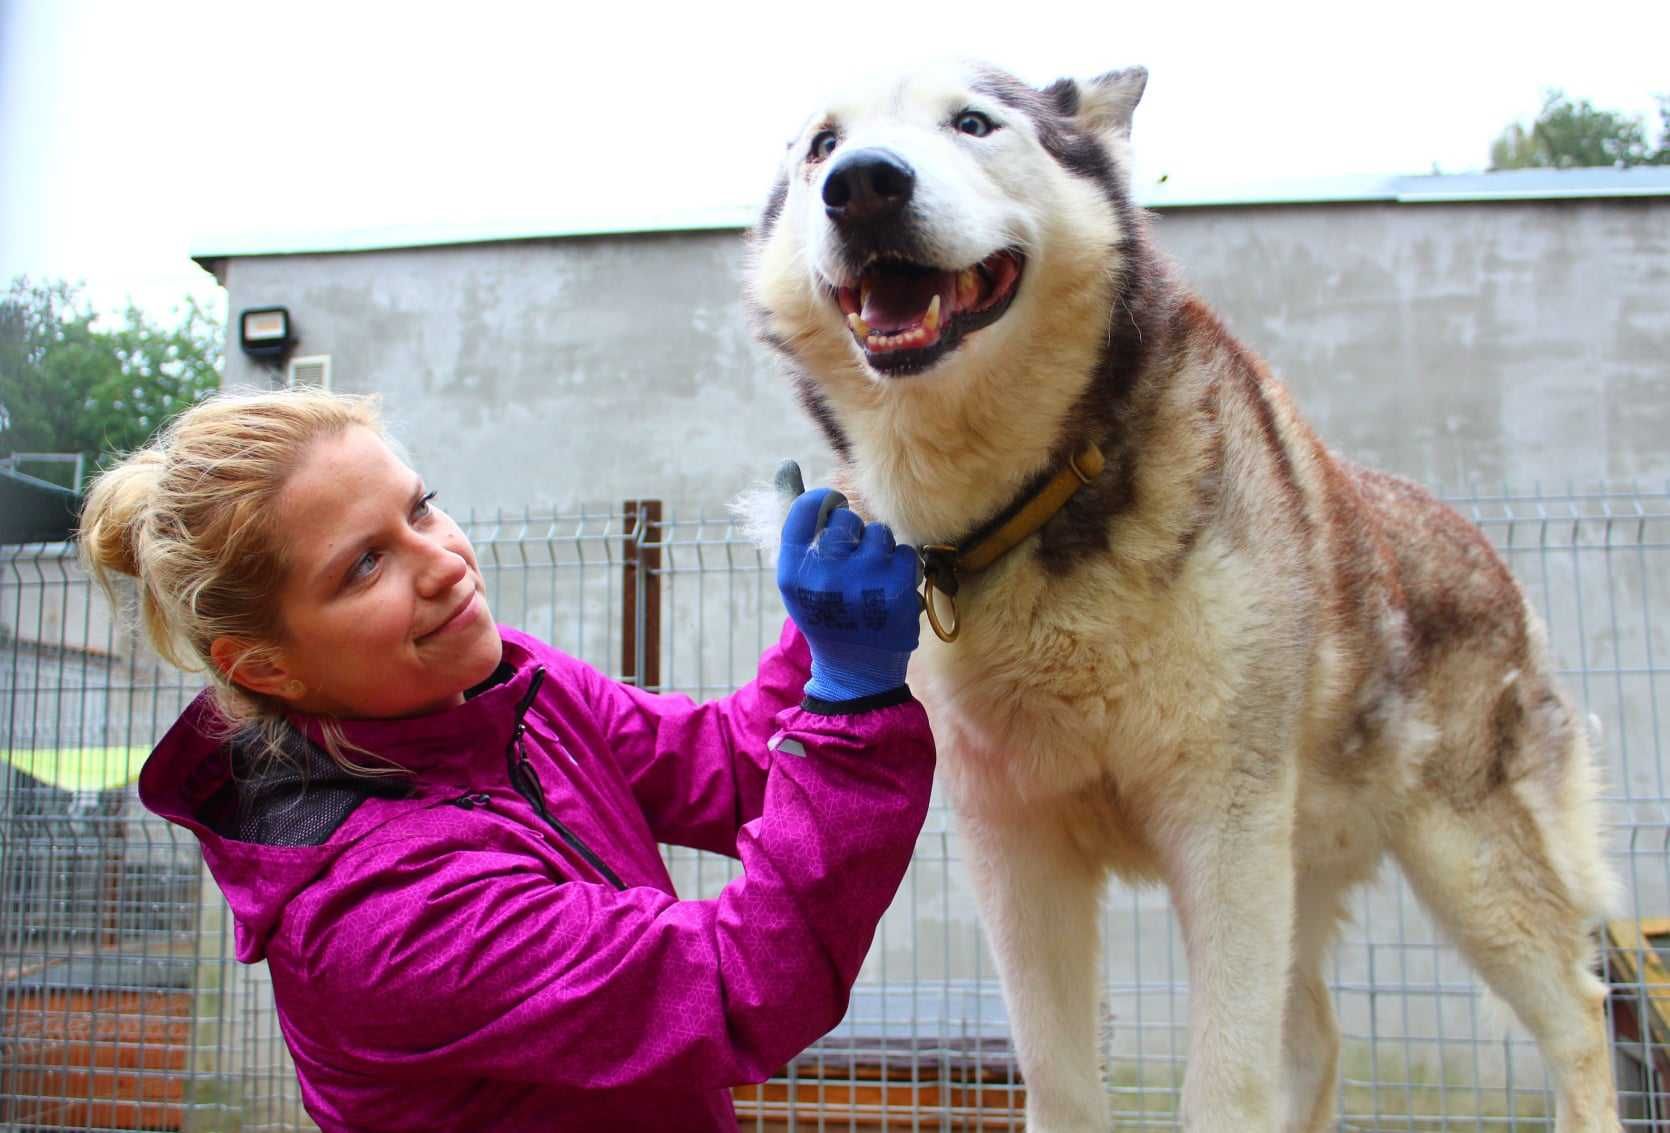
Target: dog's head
[943,218]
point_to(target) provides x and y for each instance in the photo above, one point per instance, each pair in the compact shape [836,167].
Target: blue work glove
[851,591]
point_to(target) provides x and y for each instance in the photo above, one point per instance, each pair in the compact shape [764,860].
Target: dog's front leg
[1039,896]
[1230,866]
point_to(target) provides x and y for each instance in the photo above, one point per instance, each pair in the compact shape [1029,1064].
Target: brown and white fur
[1235,663]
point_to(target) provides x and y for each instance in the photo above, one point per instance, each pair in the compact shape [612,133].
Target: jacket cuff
[900,695]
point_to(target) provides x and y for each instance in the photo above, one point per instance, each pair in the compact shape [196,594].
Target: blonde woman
[441,833]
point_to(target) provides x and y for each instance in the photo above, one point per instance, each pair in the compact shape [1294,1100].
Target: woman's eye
[823,144]
[974,124]
[423,509]
[363,566]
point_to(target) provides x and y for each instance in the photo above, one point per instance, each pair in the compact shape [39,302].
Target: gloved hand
[851,591]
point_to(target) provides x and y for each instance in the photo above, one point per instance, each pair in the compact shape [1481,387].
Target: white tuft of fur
[759,513]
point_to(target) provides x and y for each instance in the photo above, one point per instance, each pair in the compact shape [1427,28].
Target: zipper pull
[530,785]
[471,801]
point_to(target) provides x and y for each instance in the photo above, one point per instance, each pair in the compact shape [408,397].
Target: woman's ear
[252,667]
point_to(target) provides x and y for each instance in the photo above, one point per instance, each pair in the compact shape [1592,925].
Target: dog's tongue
[896,297]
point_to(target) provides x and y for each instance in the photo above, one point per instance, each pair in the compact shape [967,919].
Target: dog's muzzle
[868,187]
[905,311]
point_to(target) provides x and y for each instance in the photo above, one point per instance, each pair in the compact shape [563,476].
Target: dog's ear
[1103,105]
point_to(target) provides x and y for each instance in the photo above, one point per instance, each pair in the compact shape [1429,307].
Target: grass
[80,768]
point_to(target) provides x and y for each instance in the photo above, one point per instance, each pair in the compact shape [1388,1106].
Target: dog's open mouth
[906,316]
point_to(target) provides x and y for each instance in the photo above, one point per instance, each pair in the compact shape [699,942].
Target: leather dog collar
[943,564]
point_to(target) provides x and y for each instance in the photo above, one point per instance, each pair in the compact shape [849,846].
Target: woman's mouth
[906,316]
[460,618]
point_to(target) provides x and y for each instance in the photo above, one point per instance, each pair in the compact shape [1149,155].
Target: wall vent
[310,370]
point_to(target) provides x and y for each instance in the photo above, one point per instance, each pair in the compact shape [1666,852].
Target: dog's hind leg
[1310,1037]
[1489,877]
[1040,896]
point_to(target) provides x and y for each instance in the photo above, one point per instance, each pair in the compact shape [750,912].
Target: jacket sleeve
[480,963]
[698,771]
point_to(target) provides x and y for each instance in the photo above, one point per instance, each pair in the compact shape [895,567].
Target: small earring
[295,688]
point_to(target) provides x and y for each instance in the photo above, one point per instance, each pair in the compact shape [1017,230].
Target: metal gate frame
[122,1009]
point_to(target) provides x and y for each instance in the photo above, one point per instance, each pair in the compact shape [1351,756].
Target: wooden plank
[81,1058]
[650,564]
[641,578]
[629,594]
[845,1105]
[870,1082]
[1631,955]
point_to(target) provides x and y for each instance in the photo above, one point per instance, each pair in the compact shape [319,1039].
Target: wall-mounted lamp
[264,333]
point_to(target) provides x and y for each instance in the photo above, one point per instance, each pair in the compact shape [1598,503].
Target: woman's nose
[442,570]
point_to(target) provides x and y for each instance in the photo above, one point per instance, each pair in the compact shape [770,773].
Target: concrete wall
[1455,343]
[1476,342]
[548,373]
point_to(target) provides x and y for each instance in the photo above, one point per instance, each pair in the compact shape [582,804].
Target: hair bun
[113,518]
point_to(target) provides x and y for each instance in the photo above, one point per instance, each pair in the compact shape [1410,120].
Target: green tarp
[80,768]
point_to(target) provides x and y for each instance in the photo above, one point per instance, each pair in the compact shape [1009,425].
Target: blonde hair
[191,517]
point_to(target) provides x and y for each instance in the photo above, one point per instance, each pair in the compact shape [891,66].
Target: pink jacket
[445,956]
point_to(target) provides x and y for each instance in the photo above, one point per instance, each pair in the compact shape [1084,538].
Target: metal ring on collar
[928,592]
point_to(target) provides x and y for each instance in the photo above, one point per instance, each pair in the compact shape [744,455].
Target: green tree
[163,370]
[50,359]
[68,385]
[1569,134]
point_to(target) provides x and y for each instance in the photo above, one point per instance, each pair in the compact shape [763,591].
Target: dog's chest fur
[1212,634]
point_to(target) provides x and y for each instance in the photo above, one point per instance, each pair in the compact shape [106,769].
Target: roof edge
[1509,186]
[392,237]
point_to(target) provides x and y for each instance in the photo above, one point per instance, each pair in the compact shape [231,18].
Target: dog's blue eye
[974,124]
[824,144]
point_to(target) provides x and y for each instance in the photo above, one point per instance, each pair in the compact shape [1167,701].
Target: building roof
[1506,186]
[1435,188]
[34,510]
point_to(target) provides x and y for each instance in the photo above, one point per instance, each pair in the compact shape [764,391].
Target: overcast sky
[131,133]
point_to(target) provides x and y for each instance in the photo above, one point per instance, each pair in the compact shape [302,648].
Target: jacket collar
[193,763]
[479,728]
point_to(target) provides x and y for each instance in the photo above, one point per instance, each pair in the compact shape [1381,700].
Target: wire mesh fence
[121,1009]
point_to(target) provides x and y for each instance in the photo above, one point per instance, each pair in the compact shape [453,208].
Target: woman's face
[384,609]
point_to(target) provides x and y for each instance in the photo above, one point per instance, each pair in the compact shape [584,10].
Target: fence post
[640,627]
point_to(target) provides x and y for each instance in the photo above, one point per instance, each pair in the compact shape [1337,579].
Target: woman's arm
[698,771]
[481,964]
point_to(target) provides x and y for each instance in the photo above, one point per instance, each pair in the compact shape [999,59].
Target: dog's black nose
[868,185]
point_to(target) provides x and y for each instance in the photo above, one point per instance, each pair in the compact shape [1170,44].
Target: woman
[441,833]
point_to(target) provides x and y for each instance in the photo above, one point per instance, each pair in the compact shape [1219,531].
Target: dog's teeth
[913,339]
[863,295]
[858,325]
[930,321]
[968,288]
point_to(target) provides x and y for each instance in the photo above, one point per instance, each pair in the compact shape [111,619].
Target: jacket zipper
[526,781]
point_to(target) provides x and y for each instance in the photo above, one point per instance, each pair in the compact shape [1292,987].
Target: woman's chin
[492,654]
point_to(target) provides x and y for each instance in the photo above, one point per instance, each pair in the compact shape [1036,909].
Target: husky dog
[1233,661]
